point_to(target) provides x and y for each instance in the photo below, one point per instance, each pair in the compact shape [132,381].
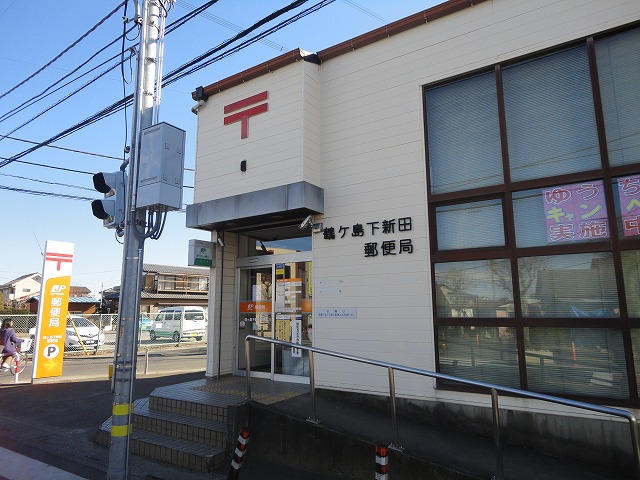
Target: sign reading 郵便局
[575,212]
[48,351]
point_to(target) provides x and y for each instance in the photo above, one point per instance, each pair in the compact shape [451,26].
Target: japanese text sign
[52,310]
[629,195]
[575,212]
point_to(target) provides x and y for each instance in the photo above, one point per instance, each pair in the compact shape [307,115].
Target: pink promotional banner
[575,212]
[629,196]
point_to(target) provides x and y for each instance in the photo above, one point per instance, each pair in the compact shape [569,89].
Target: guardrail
[493,389]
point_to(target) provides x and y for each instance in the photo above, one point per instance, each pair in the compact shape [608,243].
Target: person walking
[9,341]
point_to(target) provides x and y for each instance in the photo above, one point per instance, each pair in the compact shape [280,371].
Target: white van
[180,322]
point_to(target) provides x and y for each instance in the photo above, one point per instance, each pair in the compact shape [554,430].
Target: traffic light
[111,210]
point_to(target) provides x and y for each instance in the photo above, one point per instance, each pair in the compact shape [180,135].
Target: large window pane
[618,60]
[463,134]
[560,214]
[481,288]
[551,128]
[635,343]
[631,274]
[485,354]
[626,195]
[470,225]
[576,361]
[579,285]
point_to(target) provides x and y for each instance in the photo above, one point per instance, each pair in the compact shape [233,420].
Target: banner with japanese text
[575,212]
[629,196]
[48,351]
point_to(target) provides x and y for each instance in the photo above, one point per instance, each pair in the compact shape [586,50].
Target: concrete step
[189,454]
[186,427]
[183,400]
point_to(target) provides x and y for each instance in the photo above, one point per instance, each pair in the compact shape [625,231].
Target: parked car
[145,322]
[79,329]
[180,322]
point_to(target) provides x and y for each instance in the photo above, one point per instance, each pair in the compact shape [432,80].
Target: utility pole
[151,19]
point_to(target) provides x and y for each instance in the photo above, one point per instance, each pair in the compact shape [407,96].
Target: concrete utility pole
[151,18]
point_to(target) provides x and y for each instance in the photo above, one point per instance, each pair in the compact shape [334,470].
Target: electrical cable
[57,57]
[124,82]
[40,96]
[173,76]
[246,43]
[72,150]
[109,110]
[47,182]
[46,194]
[240,35]
[63,99]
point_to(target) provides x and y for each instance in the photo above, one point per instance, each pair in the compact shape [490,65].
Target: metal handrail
[494,389]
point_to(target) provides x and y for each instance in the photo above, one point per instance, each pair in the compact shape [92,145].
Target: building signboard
[52,311]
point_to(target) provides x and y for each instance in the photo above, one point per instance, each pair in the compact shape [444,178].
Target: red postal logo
[243,115]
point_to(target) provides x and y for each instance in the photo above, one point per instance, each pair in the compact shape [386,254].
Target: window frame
[615,244]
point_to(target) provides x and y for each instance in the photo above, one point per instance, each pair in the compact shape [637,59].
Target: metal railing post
[312,383]
[146,361]
[496,435]
[247,359]
[635,445]
[394,416]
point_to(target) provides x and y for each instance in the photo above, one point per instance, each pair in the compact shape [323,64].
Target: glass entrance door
[255,316]
[274,301]
[292,310]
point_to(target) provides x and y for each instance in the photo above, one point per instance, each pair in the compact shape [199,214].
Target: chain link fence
[100,335]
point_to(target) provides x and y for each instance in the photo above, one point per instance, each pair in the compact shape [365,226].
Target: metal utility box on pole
[152,26]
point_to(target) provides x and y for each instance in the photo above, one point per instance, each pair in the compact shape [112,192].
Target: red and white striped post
[238,455]
[382,462]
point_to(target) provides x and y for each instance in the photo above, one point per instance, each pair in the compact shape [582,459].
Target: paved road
[151,362]
[47,428]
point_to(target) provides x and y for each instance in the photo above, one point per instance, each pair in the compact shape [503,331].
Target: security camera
[220,242]
[307,222]
[197,106]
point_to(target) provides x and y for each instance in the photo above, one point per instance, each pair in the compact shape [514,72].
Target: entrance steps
[195,424]
[184,425]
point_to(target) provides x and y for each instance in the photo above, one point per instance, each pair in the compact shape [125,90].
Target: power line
[40,96]
[231,26]
[127,100]
[177,73]
[366,11]
[57,57]
[61,148]
[46,194]
[47,182]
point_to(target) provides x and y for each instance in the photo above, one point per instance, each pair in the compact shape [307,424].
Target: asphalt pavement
[47,431]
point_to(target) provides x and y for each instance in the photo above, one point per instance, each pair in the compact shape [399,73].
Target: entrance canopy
[285,202]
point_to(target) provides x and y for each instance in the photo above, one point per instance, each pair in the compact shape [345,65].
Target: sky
[34,189]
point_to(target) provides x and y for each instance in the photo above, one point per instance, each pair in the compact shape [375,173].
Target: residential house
[17,291]
[165,286]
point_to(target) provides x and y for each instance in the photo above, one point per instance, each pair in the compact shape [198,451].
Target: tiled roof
[16,280]
[155,268]
[73,299]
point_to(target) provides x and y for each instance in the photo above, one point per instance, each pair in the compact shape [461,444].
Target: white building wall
[222,335]
[25,288]
[354,126]
[276,144]
[373,160]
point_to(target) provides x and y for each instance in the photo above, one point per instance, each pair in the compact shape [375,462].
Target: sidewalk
[48,434]
[19,467]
